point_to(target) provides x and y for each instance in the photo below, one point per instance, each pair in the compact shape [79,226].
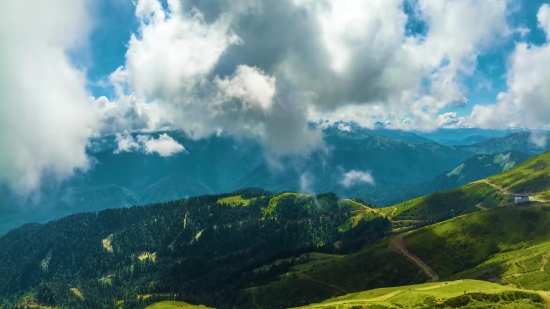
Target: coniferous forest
[206,249]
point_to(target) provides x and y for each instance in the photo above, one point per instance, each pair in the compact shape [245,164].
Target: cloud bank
[45,115]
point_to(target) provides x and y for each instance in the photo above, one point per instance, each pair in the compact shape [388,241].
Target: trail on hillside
[397,244]
[324,283]
[376,211]
[482,207]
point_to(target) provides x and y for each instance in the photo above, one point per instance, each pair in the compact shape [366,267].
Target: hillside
[473,139]
[285,250]
[207,249]
[520,141]
[473,169]
[449,294]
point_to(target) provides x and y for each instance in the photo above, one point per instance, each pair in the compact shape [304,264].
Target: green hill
[473,169]
[210,249]
[451,294]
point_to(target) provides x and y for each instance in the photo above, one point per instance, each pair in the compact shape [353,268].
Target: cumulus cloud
[525,103]
[539,139]
[354,177]
[45,115]
[262,69]
[164,146]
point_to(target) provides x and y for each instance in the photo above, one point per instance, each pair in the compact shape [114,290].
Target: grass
[454,294]
[315,259]
[507,245]
[532,175]
[441,204]
[77,292]
[235,201]
[169,304]
[107,243]
[147,255]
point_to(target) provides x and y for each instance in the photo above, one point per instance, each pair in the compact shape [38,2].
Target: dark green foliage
[518,295]
[210,261]
[485,297]
[457,302]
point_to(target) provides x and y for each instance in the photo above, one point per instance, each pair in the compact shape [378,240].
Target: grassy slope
[169,304]
[440,204]
[530,176]
[454,294]
[508,245]
[516,239]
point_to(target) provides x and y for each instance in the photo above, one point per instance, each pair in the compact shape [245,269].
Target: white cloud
[173,59]
[543,16]
[173,51]
[250,85]
[126,143]
[354,177]
[539,139]
[306,181]
[450,120]
[526,102]
[164,146]
[344,127]
[45,115]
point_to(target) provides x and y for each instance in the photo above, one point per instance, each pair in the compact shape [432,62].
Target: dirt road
[397,244]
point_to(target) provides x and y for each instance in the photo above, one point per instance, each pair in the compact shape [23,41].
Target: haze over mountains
[222,164]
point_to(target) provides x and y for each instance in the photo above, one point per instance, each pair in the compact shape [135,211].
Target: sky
[77,69]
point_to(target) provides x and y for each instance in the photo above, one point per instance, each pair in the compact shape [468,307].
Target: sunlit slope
[508,245]
[532,177]
[174,305]
[453,294]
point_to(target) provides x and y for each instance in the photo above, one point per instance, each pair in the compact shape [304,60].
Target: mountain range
[256,248]
[222,164]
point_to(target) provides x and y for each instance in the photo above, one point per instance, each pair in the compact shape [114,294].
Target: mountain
[173,187]
[473,139]
[475,168]
[440,135]
[222,164]
[254,248]
[520,141]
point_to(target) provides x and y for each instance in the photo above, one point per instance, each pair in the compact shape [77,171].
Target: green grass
[532,175]
[235,201]
[454,294]
[440,204]
[169,304]
[505,245]
[315,259]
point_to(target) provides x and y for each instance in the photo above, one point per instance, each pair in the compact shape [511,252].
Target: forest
[200,250]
